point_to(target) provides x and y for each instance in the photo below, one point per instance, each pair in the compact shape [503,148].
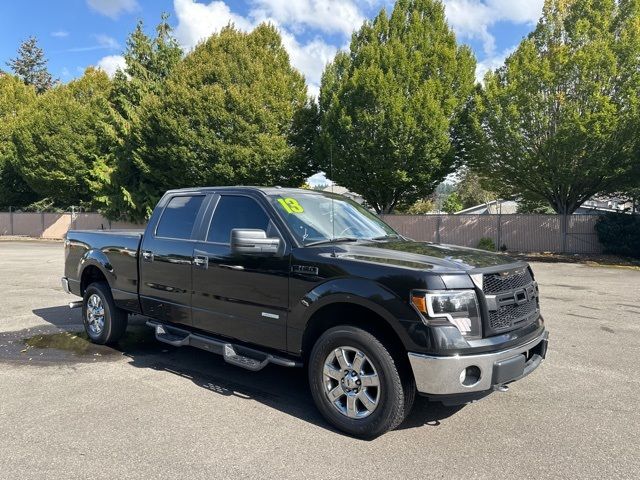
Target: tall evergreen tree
[554,123]
[15,97]
[31,66]
[116,178]
[230,113]
[58,139]
[389,107]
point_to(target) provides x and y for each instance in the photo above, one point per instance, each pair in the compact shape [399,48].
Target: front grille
[512,316]
[498,282]
[512,300]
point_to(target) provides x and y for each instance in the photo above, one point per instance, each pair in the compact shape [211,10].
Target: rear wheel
[357,384]
[103,321]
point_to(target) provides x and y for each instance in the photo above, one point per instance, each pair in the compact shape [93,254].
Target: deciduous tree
[554,123]
[390,105]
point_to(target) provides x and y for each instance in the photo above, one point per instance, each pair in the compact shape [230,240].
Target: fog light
[470,376]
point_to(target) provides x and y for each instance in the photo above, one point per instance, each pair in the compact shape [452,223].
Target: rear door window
[179,217]
[235,212]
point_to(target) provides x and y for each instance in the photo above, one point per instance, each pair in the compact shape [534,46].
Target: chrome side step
[237,355]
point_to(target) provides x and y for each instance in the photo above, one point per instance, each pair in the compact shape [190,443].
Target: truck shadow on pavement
[281,388]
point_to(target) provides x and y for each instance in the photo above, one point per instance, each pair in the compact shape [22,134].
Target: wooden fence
[520,233]
[55,225]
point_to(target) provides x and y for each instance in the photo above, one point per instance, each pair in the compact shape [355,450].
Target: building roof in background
[505,207]
[345,192]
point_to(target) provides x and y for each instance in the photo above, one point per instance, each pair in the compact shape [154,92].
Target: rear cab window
[179,217]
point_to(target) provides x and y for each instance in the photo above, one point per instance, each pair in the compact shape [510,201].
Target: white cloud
[319,178]
[60,34]
[472,19]
[309,58]
[113,8]
[335,16]
[111,64]
[197,21]
[492,62]
[105,41]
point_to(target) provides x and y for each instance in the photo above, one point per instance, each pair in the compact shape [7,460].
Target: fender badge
[304,269]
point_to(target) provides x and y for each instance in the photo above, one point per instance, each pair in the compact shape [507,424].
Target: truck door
[165,259]
[242,297]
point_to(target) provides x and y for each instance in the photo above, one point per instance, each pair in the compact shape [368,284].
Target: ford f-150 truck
[303,278]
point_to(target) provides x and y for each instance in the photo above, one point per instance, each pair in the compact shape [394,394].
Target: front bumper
[443,375]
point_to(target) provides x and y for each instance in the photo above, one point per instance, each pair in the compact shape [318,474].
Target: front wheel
[103,321]
[356,383]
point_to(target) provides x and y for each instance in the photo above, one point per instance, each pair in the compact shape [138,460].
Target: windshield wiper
[386,237]
[332,240]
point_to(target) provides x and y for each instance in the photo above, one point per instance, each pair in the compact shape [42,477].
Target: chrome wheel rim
[351,382]
[95,314]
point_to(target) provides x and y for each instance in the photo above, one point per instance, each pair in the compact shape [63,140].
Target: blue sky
[79,33]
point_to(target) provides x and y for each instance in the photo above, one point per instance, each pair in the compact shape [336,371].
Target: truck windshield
[322,218]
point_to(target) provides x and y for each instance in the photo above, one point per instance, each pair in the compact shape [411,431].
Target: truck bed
[116,250]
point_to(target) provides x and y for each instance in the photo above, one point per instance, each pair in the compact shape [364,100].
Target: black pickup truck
[302,278]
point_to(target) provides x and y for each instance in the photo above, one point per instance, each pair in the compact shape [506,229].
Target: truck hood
[422,255]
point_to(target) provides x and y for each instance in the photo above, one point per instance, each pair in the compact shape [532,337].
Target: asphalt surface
[144,410]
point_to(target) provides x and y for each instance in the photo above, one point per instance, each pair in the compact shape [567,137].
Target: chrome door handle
[201,261]
[147,256]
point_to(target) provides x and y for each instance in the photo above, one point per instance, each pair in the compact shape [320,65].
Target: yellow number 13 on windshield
[291,205]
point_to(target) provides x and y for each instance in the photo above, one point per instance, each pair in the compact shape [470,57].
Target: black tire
[396,384]
[115,319]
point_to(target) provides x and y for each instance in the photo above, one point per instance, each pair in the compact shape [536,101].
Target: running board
[237,355]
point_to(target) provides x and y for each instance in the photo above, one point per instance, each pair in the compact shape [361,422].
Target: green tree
[229,114]
[15,97]
[420,207]
[553,124]
[116,178]
[390,106]
[452,203]
[526,205]
[31,66]
[470,190]
[58,139]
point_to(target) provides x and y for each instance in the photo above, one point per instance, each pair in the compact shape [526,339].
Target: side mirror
[246,241]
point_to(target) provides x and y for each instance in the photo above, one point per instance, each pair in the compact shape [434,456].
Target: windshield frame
[271,198]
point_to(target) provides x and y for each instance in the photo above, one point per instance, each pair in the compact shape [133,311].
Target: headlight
[459,307]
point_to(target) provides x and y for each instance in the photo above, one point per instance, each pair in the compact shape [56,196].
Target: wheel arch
[355,313]
[94,267]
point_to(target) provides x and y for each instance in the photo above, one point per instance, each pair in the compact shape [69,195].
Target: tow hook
[501,388]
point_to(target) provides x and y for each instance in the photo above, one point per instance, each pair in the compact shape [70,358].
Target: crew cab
[301,278]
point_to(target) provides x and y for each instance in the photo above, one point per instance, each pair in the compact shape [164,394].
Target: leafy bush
[487,243]
[619,234]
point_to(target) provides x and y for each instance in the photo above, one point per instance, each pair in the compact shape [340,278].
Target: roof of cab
[264,190]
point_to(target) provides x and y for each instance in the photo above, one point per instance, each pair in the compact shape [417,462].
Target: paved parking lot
[146,410]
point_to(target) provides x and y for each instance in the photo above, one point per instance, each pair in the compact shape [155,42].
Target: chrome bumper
[444,375]
[65,284]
